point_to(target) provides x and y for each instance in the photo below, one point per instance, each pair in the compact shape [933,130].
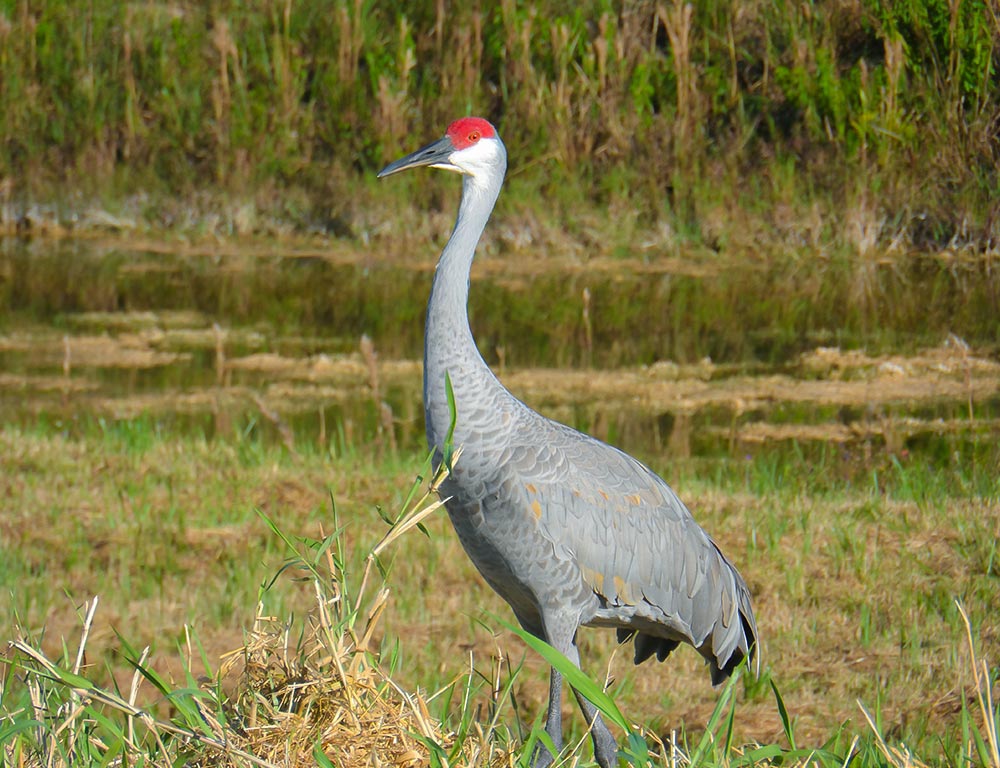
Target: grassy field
[857,491]
[856,579]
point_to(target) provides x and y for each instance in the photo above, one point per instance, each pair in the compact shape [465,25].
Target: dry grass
[853,568]
[298,691]
[853,594]
[295,693]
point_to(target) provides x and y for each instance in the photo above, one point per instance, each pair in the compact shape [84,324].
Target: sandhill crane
[568,530]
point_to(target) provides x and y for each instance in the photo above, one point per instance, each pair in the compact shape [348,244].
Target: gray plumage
[568,530]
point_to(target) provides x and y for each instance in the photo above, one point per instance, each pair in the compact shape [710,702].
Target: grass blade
[786,722]
[449,441]
[708,738]
[575,676]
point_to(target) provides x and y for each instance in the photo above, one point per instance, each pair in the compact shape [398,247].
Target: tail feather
[647,645]
[720,673]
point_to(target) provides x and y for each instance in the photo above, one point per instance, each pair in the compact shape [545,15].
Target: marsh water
[322,346]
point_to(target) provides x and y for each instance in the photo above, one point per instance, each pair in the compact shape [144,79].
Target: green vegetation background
[820,143]
[873,117]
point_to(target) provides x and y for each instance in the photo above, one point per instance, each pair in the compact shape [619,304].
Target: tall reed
[656,101]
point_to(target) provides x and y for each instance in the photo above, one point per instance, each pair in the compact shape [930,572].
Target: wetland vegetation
[139,444]
[754,244]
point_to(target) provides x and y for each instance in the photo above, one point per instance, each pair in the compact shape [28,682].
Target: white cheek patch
[472,160]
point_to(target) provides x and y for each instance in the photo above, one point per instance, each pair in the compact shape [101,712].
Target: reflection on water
[273,342]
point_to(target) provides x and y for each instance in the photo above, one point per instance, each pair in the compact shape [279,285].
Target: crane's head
[471,146]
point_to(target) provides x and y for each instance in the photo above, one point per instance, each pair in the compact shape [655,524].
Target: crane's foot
[605,753]
[605,748]
[542,757]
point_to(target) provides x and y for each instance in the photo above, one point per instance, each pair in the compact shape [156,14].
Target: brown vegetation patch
[40,383]
[922,378]
[329,695]
[952,357]
[136,321]
[127,350]
[891,430]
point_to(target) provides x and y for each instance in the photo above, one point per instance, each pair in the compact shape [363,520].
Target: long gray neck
[448,343]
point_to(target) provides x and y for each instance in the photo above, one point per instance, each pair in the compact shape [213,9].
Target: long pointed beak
[434,154]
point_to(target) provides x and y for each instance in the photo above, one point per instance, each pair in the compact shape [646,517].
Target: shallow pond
[662,359]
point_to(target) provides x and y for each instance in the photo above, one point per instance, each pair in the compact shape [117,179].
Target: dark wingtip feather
[645,646]
[719,674]
[665,648]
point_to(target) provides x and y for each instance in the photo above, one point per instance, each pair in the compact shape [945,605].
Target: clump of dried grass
[300,693]
[325,690]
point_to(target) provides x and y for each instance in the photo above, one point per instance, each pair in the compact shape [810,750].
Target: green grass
[854,583]
[802,122]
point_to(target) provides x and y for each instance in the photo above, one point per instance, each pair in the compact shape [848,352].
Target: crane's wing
[654,569]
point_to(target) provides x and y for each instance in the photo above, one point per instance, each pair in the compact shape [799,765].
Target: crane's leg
[605,747]
[542,758]
[553,723]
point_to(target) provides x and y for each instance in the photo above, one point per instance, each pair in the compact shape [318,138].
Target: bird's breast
[503,538]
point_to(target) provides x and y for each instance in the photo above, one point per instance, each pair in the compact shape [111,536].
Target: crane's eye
[474,137]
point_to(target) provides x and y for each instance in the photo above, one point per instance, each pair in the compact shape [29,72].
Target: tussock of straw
[297,694]
[326,691]
[329,697]
[329,692]
[300,691]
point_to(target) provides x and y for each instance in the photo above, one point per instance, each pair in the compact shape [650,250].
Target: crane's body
[568,530]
